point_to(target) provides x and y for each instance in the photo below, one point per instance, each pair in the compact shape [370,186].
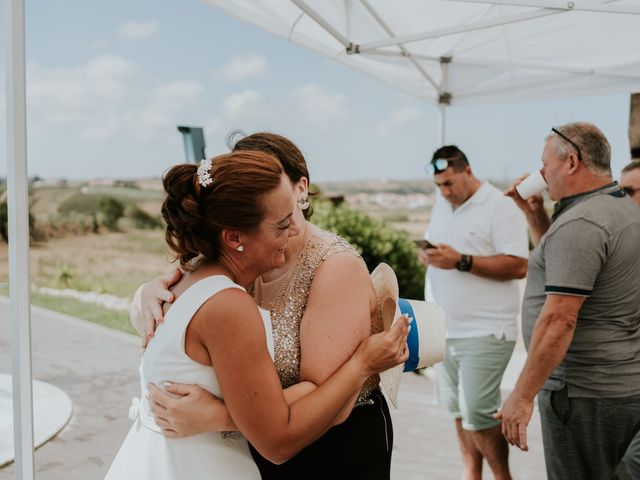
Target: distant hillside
[401,187]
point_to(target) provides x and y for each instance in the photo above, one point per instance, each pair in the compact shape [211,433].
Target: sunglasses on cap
[437,166]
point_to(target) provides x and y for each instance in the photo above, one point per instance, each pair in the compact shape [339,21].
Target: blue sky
[109,81]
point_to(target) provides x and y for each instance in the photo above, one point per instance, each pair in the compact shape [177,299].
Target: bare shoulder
[340,271]
[342,265]
[231,309]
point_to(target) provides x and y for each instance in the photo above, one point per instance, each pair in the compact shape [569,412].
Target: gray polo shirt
[592,250]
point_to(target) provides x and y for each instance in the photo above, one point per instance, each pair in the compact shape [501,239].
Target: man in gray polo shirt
[581,312]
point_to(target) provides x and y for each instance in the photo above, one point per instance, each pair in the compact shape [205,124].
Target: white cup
[532,185]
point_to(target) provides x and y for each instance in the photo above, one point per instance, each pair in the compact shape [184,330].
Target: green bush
[87,204]
[63,225]
[376,242]
[34,232]
[112,211]
[4,220]
[142,219]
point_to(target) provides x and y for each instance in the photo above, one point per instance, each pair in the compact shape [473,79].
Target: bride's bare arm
[336,320]
[181,410]
[230,328]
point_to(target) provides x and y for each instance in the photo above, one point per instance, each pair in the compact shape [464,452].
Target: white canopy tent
[448,52]
[455,52]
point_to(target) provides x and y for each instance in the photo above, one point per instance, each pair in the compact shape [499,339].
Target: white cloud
[164,102]
[177,94]
[134,30]
[398,119]
[85,96]
[103,98]
[241,67]
[213,125]
[318,106]
[246,105]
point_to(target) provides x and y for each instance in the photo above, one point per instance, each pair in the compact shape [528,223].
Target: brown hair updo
[196,215]
[290,156]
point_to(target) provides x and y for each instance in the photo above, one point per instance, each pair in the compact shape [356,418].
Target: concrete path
[97,368]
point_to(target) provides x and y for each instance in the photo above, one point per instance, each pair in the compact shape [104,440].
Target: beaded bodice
[286,299]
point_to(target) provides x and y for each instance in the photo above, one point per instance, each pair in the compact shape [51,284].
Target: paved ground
[97,368]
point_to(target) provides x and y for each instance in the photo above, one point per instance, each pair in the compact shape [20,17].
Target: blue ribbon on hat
[413,340]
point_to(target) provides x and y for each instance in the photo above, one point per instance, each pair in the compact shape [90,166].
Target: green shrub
[34,232]
[112,211]
[4,220]
[376,242]
[142,219]
[87,204]
[63,225]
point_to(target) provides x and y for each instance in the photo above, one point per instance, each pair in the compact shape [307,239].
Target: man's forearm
[550,341]
[499,267]
[539,223]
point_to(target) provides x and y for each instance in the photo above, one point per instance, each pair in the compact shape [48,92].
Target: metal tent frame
[372,36]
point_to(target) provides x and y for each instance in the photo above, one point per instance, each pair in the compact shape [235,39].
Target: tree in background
[34,232]
[4,219]
[142,219]
[112,210]
[376,242]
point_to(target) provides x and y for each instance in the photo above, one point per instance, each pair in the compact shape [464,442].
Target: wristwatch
[464,265]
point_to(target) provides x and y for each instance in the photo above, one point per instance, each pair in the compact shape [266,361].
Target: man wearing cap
[630,183]
[481,249]
[581,312]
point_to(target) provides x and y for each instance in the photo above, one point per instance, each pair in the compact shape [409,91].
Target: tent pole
[442,124]
[444,99]
[17,199]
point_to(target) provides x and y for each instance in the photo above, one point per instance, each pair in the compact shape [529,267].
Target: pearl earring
[240,248]
[303,203]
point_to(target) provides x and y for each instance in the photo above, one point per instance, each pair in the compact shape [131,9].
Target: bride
[228,221]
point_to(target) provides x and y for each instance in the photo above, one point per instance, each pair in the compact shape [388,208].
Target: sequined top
[286,297]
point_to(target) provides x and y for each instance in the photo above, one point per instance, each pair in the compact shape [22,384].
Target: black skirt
[358,448]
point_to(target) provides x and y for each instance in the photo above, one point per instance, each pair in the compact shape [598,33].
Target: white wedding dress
[146,454]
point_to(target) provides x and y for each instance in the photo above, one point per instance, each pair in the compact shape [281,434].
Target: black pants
[358,448]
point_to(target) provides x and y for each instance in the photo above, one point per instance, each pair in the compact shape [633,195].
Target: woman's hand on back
[182,410]
[146,309]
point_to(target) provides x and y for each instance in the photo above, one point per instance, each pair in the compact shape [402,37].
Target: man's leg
[493,446]
[448,378]
[482,364]
[471,455]
[586,438]
[632,458]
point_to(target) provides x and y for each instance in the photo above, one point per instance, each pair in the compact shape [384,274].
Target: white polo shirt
[487,224]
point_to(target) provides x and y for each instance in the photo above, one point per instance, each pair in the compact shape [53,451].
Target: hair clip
[204,175]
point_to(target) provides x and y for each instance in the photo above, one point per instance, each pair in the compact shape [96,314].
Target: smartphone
[424,244]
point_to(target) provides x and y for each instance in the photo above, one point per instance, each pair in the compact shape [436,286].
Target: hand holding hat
[426,339]
[387,349]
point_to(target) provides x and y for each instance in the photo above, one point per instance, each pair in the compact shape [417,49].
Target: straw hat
[426,339]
